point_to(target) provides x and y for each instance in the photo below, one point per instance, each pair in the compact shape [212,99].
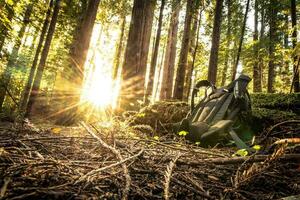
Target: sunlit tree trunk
[294,41]
[6,76]
[182,63]
[153,63]
[170,54]
[192,55]
[273,40]
[235,66]
[228,41]
[256,74]
[136,53]
[213,59]
[27,89]
[119,49]
[74,72]
[44,55]
[80,46]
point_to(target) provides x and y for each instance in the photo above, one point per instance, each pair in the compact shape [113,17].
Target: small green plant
[183,133]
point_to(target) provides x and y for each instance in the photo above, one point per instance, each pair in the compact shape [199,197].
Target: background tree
[213,59]
[294,42]
[136,53]
[182,62]
[43,59]
[170,54]
[153,63]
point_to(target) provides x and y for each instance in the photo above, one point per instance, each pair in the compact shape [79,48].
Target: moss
[277,101]
[163,112]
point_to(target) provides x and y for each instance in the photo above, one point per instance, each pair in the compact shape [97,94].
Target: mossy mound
[279,101]
[161,112]
[267,110]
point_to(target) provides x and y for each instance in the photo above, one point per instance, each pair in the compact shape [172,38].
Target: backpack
[212,119]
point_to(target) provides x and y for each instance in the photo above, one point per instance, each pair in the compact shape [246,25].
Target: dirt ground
[115,161]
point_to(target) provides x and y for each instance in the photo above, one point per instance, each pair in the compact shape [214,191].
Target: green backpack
[212,119]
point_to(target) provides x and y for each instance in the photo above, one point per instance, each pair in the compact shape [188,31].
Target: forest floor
[114,160]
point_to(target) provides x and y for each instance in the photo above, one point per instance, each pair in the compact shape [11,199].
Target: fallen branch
[93,172]
[168,175]
[118,155]
[237,160]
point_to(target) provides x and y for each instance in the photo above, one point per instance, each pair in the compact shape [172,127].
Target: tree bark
[192,52]
[182,63]
[29,83]
[294,42]
[136,53]
[256,72]
[44,55]
[273,40]
[153,63]
[80,46]
[228,37]
[213,59]
[260,54]
[6,76]
[170,54]
[241,42]
[119,50]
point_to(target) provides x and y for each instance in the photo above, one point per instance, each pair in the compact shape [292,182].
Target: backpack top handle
[199,84]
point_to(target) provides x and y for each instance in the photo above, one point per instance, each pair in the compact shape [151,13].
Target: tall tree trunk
[285,62]
[78,53]
[29,83]
[256,75]
[80,46]
[273,40]
[294,41]
[192,52]
[213,59]
[182,63]
[6,76]
[228,41]
[170,54]
[44,55]
[150,83]
[260,54]
[136,53]
[241,42]
[119,50]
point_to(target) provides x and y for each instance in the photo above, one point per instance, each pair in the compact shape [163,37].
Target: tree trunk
[241,42]
[260,54]
[273,40]
[6,76]
[119,50]
[294,41]
[182,63]
[80,46]
[44,55]
[29,83]
[192,52]
[213,59]
[150,83]
[170,54]
[256,74]
[136,53]
[228,37]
